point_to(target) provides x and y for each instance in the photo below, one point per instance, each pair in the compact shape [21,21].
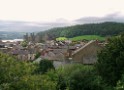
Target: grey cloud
[21,26]
[114,17]
[29,26]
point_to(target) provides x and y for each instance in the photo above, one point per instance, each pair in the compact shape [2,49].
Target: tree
[120,84]
[24,43]
[38,54]
[102,29]
[44,66]
[79,77]
[34,82]
[11,70]
[110,64]
[19,75]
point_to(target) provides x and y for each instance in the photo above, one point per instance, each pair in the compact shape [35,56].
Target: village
[61,52]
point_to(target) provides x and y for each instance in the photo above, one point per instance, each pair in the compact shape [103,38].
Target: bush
[34,82]
[44,66]
[110,64]
[120,84]
[12,71]
[38,54]
[18,75]
[79,77]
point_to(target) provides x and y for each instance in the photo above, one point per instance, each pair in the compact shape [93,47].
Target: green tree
[38,54]
[101,29]
[24,43]
[79,77]
[44,66]
[19,75]
[34,82]
[11,70]
[120,84]
[110,64]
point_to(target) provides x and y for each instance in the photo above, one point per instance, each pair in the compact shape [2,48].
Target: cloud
[114,17]
[21,26]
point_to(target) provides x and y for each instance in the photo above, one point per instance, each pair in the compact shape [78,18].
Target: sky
[62,10]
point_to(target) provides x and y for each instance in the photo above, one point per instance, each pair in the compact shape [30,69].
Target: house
[24,54]
[54,54]
[2,45]
[87,54]
[3,48]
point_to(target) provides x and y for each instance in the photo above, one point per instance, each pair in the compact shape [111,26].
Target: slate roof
[87,44]
[20,52]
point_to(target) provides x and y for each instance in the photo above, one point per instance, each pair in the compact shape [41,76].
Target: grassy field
[88,37]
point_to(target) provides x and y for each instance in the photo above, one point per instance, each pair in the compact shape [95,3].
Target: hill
[101,29]
[11,35]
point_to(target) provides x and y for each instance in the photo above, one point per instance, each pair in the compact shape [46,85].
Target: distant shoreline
[12,40]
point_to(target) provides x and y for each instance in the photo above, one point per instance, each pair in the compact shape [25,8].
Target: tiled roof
[87,44]
[20,52]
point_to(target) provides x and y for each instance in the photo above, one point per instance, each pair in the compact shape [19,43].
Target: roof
[20,52]
[59,51]
[87,44]
[37,60]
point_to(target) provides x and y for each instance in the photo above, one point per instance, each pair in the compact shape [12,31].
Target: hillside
[101,29]
[11,35]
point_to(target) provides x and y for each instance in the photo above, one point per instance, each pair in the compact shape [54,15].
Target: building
[87,54]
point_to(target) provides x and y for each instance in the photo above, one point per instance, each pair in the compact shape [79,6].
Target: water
[14,40]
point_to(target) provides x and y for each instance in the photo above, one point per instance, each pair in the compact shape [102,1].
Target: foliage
[120,84]
[101,29]
[18,75]
[44,66]
[87,37]
[38,54]
[35,82]
[61,38]
[24,43]
[11,70]
[110,64]
[79,77]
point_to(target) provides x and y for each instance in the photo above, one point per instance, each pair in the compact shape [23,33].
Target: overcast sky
[52,10]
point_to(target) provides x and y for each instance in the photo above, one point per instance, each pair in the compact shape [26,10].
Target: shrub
[44,66]
[110,64]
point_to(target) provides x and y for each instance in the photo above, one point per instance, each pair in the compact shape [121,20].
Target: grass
[61,38]
[88,37]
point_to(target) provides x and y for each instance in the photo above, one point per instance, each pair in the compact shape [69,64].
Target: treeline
[102,29]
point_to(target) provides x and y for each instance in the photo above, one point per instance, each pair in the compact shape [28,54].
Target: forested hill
[102,29]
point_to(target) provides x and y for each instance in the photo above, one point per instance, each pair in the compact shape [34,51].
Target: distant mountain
[11,35]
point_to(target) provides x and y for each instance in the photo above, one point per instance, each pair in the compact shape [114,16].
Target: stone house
[54,54]
[87,54]
[23,54]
